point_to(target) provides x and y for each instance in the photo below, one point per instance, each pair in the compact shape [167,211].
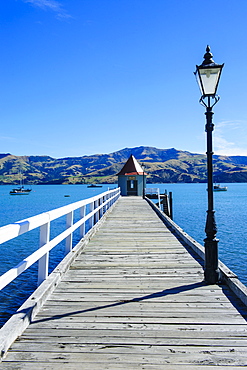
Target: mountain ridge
[162,165]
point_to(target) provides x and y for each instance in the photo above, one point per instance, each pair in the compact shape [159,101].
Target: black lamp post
[208,76]
[143,180]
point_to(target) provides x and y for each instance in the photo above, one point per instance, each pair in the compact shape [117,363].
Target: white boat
[217,187]
[20,190]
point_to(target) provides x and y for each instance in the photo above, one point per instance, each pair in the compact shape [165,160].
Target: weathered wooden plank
[177,318]
[124,347]
[143,336]
[166,300]
[134,272]
[117,310]
[178,306]
[168,356]
[144,293]
[221,341]
[111,320]
[132,264]
[110,366]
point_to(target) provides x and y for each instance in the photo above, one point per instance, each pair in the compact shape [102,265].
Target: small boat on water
[20,191]
[217,187]
[94,186]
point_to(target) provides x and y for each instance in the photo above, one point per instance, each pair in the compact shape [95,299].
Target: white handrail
[153,191]
[98,205]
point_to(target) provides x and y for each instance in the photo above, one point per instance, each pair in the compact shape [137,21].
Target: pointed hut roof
[131,167]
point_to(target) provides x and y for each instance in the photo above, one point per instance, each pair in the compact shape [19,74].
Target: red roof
[131,167]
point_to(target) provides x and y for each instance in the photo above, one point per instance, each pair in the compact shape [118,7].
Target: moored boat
[217,187]
[94,186]
[20,191]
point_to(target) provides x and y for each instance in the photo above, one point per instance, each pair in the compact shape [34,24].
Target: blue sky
[79,77]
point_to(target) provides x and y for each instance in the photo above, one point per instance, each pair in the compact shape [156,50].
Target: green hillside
[162,166]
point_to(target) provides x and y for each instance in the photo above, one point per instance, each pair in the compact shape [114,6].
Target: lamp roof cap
[208,59]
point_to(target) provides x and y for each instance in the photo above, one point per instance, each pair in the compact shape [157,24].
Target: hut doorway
[131,187]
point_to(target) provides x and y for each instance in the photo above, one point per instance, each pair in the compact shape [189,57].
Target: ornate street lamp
[208,76]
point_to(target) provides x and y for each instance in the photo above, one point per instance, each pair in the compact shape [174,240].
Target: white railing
[97,205]
[153,191]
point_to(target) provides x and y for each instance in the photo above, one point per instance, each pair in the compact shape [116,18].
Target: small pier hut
[132,178]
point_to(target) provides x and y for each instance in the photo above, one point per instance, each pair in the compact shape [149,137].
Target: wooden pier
[134,298]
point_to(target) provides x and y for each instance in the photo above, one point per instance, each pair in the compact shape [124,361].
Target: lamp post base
[211,270]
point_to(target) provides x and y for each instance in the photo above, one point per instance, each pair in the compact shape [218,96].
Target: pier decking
[134,299]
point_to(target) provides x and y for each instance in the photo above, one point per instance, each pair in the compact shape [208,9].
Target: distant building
[132,178]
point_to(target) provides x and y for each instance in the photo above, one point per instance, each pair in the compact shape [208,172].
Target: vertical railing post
[107,203]
[82,215]
[69,239]
[44,261]
[104,207]
[158,193]
[171,207]
[91,220]
[96,214]
[101,201]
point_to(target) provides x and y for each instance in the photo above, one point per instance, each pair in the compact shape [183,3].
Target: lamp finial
[208,57]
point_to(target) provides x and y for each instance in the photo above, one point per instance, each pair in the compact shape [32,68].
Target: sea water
[189,210]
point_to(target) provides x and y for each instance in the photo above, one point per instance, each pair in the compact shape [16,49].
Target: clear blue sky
[79,77]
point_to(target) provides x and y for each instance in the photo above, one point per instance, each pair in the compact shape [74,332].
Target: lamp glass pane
[209,78]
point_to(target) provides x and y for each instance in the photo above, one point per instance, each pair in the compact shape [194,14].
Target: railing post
[171,207]
[101,201]
[107,202]
[91,220]
[82,215]
[98,212]
[158,193]
[69,223]
[95,215]
[104,207]
[44,261]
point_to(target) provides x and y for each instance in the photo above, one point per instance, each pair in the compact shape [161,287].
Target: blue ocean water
[189,208]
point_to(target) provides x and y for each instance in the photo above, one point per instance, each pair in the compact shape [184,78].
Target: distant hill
[162,166]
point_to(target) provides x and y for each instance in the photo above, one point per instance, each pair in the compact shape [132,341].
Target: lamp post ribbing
[211,270]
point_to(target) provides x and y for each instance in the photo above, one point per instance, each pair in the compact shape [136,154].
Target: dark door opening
[131,187]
